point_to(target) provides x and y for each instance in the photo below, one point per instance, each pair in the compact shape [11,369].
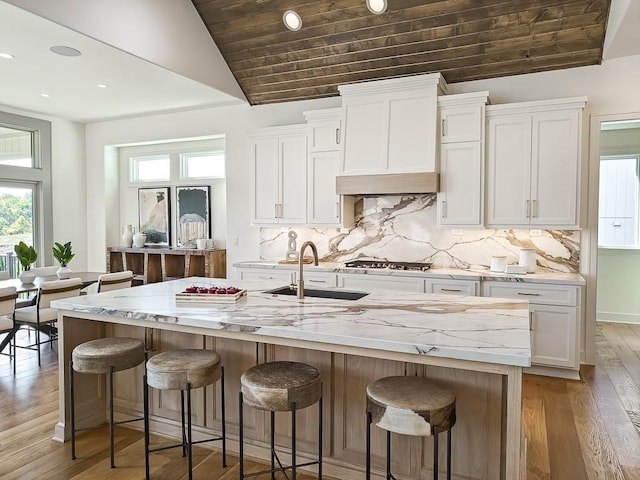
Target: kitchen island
[477,346]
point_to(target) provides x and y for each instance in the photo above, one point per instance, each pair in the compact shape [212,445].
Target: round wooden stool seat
[99,356]
[174,369]
[276,386]
[411,405]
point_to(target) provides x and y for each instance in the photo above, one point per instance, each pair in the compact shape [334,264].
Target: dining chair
[4,275]
[110,281]
[41,316]
[7,325]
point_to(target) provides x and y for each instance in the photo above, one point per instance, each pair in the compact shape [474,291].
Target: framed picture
[153,212]
[193,212]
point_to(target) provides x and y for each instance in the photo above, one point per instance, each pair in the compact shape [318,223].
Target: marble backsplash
[404,228]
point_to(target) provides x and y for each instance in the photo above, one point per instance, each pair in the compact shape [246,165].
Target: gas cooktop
[387,264]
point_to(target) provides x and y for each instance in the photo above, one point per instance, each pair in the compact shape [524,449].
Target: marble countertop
[466,328]
[478,273]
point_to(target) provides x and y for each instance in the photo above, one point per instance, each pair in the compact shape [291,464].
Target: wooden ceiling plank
[341,55]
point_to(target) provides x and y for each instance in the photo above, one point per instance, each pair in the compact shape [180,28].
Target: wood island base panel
[477,346]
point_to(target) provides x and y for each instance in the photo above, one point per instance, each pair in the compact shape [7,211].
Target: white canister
[528,259]
[498,263]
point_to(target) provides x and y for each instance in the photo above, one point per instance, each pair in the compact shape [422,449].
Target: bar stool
[281,387]
[410,406]
[103,356]
[183,370]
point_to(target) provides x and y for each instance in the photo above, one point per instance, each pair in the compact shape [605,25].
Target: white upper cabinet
[461,159]
[533,160]
[279,175]
[324,206]
[389,126]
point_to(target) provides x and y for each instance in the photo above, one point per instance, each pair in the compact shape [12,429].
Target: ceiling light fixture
[292,20]
[65,51]
[8,56]
[102,85]
[377,6]
[45,95]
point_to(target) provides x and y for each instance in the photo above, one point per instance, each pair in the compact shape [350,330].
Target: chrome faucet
[301,265]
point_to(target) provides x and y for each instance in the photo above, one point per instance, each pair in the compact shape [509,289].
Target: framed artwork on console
[193,215]
[153,213]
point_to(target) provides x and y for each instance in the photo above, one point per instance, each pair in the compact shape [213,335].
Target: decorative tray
[211,294]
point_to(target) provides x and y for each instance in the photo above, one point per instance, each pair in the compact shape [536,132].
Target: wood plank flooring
[576,430]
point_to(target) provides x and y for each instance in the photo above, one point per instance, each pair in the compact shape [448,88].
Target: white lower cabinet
[453,287]
[380,282]
[554,313]
[311,279]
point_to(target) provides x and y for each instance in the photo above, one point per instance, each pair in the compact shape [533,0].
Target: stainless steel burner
[386,264]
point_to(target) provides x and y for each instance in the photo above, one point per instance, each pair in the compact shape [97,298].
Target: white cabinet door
[293,180]
[380,282]
[460,196]
[453,287]
[279,176]
[265,196]
[509,170]
[554,336]
[324,135]
[324,203]
[461,123]
[365,138]
[554,167]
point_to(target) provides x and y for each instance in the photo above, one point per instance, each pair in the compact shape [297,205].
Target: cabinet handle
[337,136]
[280,213]
[338,210]
[529,294]
[262,277]
[534,208]
[443,133]
[316,281]
[528,211]
[276,210]
[444,209]
[531,321]
[450,290]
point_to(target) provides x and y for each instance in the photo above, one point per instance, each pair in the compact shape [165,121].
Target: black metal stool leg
[436,431]
[272,436]
[449,454]
[189,439]
[368,449]
[241,436]
[293,441]
[184,436]
[111,432]
[224,419]
[73,411]
[389,476]
[145,395]
[320,439]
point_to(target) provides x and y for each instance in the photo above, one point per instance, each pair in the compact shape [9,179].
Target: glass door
[16,223]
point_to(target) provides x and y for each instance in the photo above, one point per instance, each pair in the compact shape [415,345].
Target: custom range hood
[388,184]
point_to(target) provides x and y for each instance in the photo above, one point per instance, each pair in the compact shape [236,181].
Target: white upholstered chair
[4,275]
[41,314]
[110,281]
[7,326]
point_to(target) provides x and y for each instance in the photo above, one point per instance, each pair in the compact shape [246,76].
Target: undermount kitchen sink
[309,292]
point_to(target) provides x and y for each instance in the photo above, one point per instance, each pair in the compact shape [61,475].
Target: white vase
[139,239]
[127,236]
[63,272]
[27,277]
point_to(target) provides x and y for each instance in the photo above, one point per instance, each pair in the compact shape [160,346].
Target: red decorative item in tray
[211,294]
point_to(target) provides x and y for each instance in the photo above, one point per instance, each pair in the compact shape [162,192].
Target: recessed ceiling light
[65,51]
[292,20]
[102,85]
[377,6]
[45,95]
[8,56]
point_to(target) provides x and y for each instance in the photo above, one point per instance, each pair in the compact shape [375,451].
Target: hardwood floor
[576,430]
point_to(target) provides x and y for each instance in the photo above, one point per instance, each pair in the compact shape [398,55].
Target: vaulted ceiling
[342,42]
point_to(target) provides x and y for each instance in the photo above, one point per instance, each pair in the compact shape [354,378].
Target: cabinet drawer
[378,282]
[265,274]
[453,287]
[534,293]
[311,279]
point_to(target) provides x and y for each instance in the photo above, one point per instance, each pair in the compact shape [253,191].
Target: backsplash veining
[404,228]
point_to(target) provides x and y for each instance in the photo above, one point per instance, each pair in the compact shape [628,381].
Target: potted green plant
[27,256]
[64,255]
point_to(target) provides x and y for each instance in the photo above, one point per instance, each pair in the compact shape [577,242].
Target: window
[152,168]
[202,165]
[25,188]
[619,202]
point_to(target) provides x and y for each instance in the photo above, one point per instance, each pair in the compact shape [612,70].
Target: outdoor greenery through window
[619,208]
